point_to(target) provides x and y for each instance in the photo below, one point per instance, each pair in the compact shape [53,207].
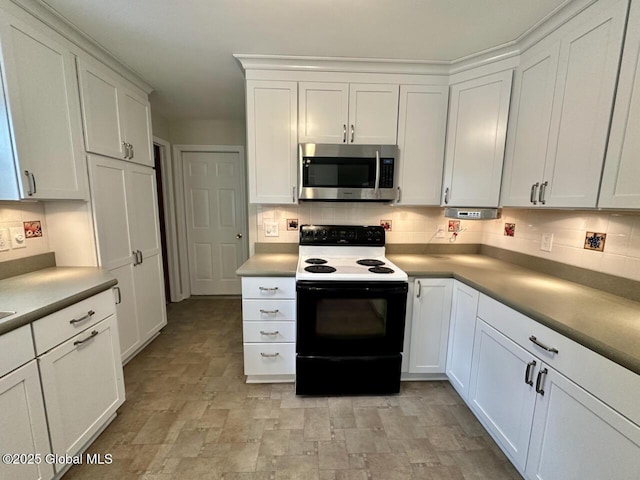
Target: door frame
[183,255]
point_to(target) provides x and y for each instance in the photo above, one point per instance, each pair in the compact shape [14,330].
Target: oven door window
[351,318]
[340,173]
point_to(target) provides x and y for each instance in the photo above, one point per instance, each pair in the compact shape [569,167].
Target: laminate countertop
[40,293]
[605,323]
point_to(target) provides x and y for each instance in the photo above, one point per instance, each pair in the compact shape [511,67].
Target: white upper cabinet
[42,108]
[620,186]
[475,141]
[422,123]
[356,113]
[563,98]
[117,121]
[272,143]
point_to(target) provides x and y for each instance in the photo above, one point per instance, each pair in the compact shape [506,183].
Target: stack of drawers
[269,328]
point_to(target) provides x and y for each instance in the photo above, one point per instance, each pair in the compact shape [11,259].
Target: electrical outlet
[5,242]
[547,242]
[441,231]
[271,229]
[18,240]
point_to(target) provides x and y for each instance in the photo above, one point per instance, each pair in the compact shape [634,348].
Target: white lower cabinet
[83,385]
[23,426]
[430,325]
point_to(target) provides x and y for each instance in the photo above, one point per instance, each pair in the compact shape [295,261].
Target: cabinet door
[272,141]
[498,392]
[126,309]
[620,187]
[323,112]
[587,74]
[529,122]
[83,386]
[136,117]
[464,308]
[42,99]
[103,130]
[430,325]
[373,114]
[23,426]
[577,437]
[422,124]
[475,141]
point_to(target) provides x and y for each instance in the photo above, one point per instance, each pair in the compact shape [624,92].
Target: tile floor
[189,415]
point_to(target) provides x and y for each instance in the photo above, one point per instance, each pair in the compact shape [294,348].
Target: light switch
[547,242]
[18,240]
[440,232]
[5,242]
[271,229]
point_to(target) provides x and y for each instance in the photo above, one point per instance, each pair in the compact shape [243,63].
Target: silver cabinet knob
[238,235]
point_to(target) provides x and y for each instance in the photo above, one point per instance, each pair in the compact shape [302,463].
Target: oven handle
[382,290]
[377,184]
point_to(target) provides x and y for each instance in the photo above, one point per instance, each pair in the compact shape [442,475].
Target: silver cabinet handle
[125,146]
[119,301]
[141,257]
[293,194]
[543,192]
[267,289]
[344,133]
[262,332]
[353,131]
[89,314]
[135,258]
[80,342]
[377,182]
[32,188]
[269,355]
[446,195]
[269,312]
[543,346]
[398,195]
[132,150]
[532,197]
[419,289]
[541,374]
[527,373]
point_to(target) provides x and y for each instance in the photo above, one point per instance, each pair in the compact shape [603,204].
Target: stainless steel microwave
[347,172]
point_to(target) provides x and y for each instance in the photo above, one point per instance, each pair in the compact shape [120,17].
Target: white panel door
[620,186]
[216,219]
[422,125]
[475,141]
[373,114]
[430,325]
[323,112]
[137,126]
[577,437]
[42,96]
[588,71]
[23,426]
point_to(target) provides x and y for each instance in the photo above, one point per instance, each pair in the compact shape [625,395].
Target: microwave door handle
[377,185]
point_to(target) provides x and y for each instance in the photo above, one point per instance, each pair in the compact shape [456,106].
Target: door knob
[238,235]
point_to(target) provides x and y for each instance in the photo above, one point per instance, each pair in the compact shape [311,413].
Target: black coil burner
[370,262]
[315,261]
[320,269]
[381,270]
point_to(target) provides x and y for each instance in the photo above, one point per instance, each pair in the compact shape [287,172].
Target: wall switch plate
[271,229]
[441,231]
[18,240]
[547,242]
[5,241]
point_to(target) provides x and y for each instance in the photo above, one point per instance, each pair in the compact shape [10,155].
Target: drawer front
[268,332]
[16,348]
[54,329]
[268,310]
[269,358]
[268,287]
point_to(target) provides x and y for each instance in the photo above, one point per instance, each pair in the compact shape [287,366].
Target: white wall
[13,215]
[207,132]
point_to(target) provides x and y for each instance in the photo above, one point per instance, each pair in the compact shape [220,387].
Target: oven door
[350,318]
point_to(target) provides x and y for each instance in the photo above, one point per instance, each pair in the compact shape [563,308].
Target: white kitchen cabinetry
[126,221]
[272,141]
[430,325]
[620,187]
[563,96]
[117,121]
[357,113]
[476,132]
[22,417]
[422,123]
[42,128]
[464,308]
[269,328]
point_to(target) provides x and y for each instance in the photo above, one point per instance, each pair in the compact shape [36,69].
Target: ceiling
[184,48]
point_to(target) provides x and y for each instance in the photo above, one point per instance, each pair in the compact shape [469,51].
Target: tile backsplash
[14,215]
[621,255]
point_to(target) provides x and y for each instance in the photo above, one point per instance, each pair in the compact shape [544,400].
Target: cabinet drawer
[54,329]
[16,348]
[268,310]
[268,287]
[269,332]
[269,358]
